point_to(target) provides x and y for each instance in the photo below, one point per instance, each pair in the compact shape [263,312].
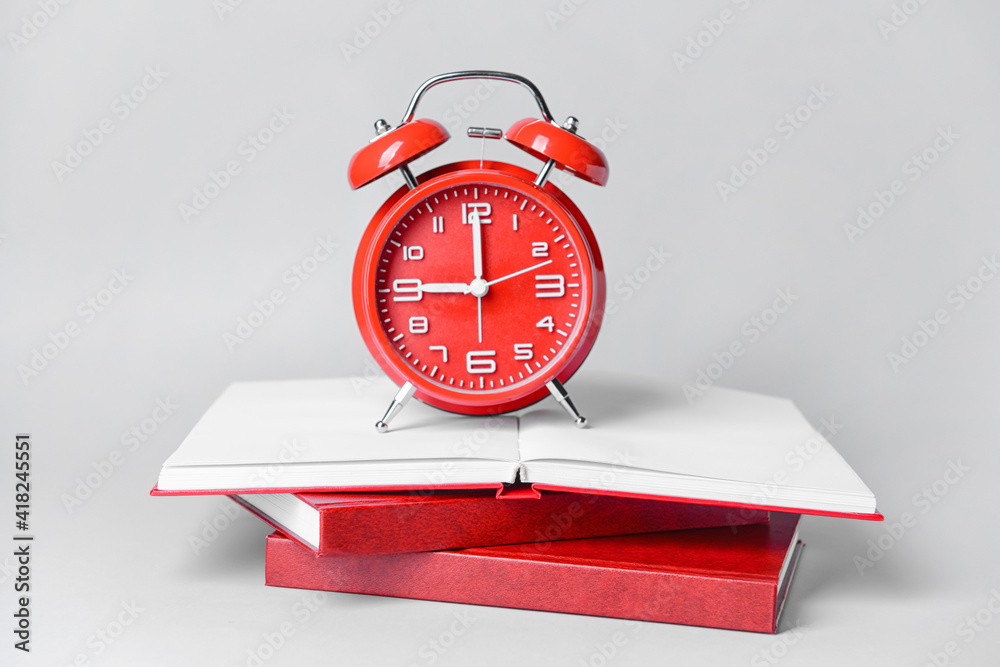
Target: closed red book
[734,578]
[385,523]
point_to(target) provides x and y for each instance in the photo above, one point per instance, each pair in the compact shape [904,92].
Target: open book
[644,440]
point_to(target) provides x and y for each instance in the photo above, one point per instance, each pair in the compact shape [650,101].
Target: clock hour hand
[517,273]
[445,288]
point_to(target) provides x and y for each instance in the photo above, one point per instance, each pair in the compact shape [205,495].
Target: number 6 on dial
[480,361]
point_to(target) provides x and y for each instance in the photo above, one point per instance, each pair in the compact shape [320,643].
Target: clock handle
[476,74]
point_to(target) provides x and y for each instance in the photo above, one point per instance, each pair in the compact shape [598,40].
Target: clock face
[481,288]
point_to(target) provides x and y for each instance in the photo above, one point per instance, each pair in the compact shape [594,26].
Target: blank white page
[643,423]
[327,420]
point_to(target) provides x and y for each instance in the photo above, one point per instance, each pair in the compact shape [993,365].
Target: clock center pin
[478,287]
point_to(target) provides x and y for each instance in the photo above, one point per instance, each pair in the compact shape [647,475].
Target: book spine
[450,576]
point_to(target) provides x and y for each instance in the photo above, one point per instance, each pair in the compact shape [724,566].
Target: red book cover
[385,523]
[735,578]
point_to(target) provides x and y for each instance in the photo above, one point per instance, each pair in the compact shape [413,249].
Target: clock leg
[559,393]
[399,400]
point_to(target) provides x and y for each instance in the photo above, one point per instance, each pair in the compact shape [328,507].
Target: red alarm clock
[478,286]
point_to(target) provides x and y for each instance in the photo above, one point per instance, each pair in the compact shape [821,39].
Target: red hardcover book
[735,578]
[385,523]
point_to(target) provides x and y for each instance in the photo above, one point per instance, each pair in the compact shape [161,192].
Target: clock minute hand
[445,288]
[517,273]
[477,244]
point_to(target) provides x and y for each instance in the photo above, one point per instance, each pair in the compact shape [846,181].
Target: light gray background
[670,137]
